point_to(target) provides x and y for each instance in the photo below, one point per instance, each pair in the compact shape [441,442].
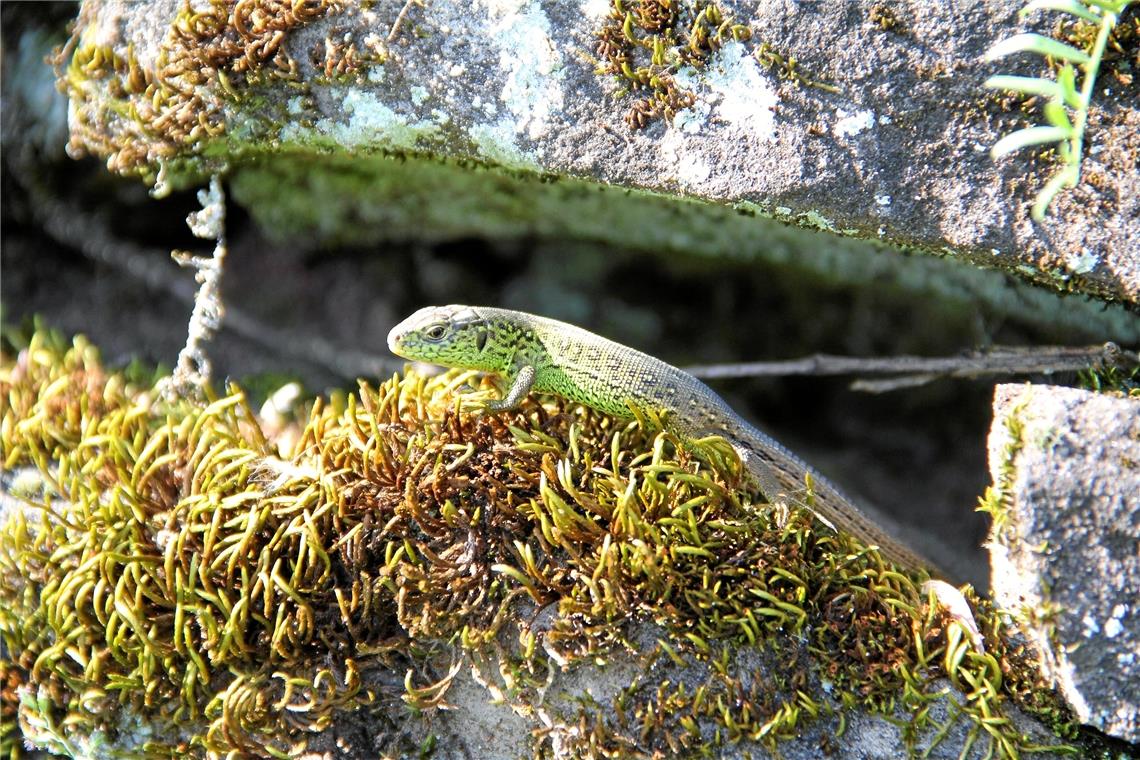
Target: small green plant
[1067,108]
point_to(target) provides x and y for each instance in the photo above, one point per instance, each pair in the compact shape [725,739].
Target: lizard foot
[477,405]
[954,604]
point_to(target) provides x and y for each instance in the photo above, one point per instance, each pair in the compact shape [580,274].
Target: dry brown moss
[173,583]
[136,115]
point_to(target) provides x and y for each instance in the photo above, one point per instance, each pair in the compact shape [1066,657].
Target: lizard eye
[436,331]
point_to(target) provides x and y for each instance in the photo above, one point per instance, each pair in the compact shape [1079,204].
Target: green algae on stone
[171,581]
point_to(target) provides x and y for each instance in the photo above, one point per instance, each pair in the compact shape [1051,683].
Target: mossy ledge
[173,582]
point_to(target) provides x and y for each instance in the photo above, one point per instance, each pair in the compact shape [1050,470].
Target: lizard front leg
[521,384]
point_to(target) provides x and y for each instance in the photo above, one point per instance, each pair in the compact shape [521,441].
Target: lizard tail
[782,476]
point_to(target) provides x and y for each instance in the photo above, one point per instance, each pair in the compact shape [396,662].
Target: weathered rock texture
[1066,554]
[892,148]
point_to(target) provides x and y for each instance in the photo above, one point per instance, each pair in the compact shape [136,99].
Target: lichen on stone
[172,581]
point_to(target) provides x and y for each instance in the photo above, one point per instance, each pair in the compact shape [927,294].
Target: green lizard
[540,354]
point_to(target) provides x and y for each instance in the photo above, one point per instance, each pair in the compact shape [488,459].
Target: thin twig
[395,30]
[90,235]
[917,370]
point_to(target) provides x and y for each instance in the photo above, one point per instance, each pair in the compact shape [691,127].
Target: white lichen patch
[1083,262]
[850,124]
[1091,626]
[691,169]
[1113,627]
[369,123]
[496,142]
[691,120]
[596,9]
[531,64]
[733,82]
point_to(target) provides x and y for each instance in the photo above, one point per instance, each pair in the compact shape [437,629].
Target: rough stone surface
[476,727]
[1067,463]
[897,155]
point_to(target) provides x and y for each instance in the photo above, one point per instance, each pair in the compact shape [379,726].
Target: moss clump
[1113,378]
[1122,52]
[886,18]
[137,115]
[171,582]
[788,68]
[646,42]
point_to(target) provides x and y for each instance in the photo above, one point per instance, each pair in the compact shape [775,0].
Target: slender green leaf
[1066,103]
[1026,85]
[1036,43]
[1056,115]
[1066,6]
[1069,176]
[1065,151]
[1112,6]
[1067,81]
[1029,136]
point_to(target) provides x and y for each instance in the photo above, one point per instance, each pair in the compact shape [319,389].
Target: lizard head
[454,336]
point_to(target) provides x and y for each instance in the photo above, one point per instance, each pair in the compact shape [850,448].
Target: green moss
[1122,52]
[787,67]
[174,583]
[644,43]
[886,18]
[1111,378]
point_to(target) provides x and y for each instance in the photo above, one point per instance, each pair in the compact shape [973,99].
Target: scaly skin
[540,354]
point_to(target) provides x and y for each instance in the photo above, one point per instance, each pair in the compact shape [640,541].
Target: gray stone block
[1065,549]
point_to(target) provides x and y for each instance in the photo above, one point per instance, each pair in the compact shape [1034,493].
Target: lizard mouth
[396,336]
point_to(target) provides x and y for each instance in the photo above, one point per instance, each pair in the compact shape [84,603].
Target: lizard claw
[475,405]
[478,403]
